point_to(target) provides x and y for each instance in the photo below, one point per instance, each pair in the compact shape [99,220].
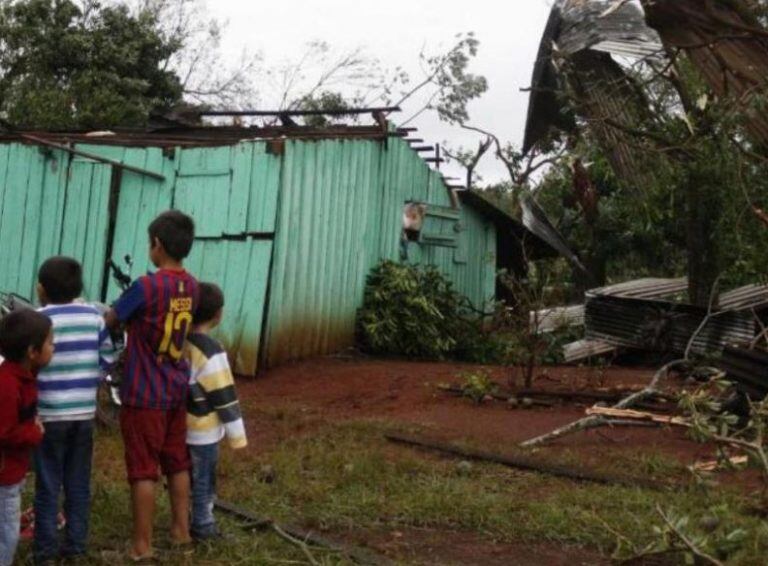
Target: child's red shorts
[154,440]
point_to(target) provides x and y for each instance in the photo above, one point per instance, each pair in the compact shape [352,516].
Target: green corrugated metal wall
[332,209]
[41,193]
[340,214]
[232,193]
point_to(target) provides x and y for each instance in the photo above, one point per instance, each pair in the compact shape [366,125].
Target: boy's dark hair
[176,231]
[21,329]
[61,278]
[210,302]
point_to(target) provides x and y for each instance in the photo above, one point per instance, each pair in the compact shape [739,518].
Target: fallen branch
[698,553]
[596,421]
[524,463]
[544,398]
[628,414]
[714,465]
[296,542]
[253,521]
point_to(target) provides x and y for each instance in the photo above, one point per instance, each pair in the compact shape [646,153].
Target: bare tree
[206,79]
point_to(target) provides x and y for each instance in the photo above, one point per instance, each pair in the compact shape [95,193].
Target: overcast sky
[395,32]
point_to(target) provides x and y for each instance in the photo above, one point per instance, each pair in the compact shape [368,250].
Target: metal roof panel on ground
[744,298]
[664,326]
[583,349]
[646,288]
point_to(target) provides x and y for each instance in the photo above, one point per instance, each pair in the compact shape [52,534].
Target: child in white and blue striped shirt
[67,391]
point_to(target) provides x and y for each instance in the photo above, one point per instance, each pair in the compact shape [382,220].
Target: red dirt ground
[331,389]
[337,389]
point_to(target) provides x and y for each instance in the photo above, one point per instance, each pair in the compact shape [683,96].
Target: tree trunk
[703,249]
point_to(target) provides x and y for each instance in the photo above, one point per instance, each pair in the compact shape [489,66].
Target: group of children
[177,394]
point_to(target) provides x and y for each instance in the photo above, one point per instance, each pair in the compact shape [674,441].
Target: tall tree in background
[69,66]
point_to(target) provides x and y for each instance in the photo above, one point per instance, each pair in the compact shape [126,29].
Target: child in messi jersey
[158,310]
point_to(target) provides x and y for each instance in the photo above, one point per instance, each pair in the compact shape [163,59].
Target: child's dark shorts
[154,441]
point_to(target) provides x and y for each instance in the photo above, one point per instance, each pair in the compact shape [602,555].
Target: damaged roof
[608,26]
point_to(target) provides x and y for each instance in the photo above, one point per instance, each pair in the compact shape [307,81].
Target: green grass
[340,479]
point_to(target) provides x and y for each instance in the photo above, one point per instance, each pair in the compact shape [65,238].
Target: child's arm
[107,350]
[14,434]
[218,384]
[131,301]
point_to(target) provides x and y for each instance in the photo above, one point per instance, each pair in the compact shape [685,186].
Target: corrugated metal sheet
[50,205]
[663,326]
[323,248]
[333,207]
[341,206]
[583,349]
[549,320]
[241,269]
[745,298]
[229,191]
[647,288]
[748,368]
[601,26]
[727,45]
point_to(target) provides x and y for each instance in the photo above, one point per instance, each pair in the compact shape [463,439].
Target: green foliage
[414,311]
[62,67]
[707,541]
[477,386]
[325,101]
[710,423]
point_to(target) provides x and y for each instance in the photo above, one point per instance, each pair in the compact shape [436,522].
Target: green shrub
[414,311]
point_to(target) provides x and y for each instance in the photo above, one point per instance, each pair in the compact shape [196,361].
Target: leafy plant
[414,311]
[710,423]
[477,386]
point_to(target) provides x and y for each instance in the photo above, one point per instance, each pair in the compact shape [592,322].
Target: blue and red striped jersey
[158,309]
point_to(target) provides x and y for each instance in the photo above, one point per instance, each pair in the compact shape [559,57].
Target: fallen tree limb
[597,421]
[524,463]
[545,398]
[713,465]
[296,535]
[628,414]
[695,550]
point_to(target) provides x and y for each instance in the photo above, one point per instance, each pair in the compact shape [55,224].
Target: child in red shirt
[26,343]
[158,309]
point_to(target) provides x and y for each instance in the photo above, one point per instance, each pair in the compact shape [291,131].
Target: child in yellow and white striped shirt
[213,411]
